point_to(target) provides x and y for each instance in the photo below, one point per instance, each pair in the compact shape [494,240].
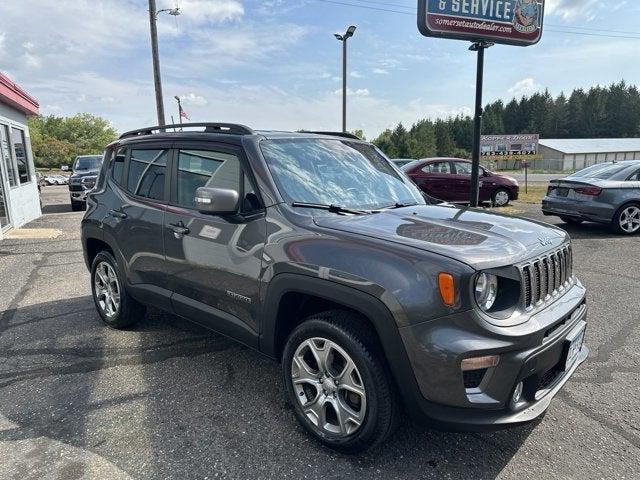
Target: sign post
[484,23]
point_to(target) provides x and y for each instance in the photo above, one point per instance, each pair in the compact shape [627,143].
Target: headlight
[486,290]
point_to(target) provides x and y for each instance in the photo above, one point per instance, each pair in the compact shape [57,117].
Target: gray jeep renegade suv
[317,251]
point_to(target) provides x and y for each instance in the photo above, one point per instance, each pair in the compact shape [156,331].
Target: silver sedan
[607,193]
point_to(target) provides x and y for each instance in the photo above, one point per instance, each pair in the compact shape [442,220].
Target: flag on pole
[183,114]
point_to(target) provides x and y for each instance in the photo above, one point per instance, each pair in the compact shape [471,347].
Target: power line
[554,29]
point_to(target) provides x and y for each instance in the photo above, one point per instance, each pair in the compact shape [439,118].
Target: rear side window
[117,166]
[205,168]
[438,167]
[147,169]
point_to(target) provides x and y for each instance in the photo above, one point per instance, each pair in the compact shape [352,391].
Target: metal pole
[179,110]
[477,126]
[156,61]
[344,85]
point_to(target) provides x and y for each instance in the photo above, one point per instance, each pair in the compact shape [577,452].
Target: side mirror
[217,200]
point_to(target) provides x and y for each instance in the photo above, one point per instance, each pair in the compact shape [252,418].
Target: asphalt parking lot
[171,400]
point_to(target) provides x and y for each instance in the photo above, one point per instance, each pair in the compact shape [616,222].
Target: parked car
[315,251]
[401,162]
[449,179]
[55,179]
[84,176]
[607,194]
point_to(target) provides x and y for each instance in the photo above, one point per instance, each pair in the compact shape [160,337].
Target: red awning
[14,96]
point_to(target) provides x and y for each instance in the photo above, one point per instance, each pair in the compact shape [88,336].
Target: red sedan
[449,179]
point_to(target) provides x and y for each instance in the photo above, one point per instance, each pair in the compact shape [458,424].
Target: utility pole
[343,38]
[153,18]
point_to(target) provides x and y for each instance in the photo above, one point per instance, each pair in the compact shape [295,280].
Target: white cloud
[355,74]
[380,71]
[361,92]
[206,11]
[31,61]
[570,9]
[526,86]
[193,99]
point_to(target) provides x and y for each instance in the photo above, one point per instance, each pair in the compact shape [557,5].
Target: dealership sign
[508,145]
[515,22]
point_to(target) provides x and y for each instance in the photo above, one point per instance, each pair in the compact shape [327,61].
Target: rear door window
[147,170]
[438,167]
[117,166]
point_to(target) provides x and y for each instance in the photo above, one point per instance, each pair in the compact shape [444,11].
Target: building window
[5,155]
[20,151]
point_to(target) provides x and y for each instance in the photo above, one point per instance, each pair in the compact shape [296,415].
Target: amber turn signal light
[479,363]
[447,288]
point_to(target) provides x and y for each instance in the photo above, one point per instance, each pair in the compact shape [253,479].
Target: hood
[85,173]
[475,237]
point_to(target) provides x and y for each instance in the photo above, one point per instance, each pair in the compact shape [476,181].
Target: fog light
[517,394]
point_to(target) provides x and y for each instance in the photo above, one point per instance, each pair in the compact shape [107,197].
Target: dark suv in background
[83,178]
[317,251]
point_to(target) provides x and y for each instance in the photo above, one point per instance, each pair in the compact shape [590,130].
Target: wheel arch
[292,297]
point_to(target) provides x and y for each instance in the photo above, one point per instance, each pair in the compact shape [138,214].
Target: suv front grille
[546,276]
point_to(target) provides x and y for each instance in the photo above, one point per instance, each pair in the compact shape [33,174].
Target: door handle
[118,214]
[179,229]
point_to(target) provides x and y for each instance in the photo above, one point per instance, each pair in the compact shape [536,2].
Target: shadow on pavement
[168,399]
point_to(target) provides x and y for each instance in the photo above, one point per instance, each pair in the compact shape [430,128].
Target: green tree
[57,141]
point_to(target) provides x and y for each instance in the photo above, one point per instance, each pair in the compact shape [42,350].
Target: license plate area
[573,345]
[562,192]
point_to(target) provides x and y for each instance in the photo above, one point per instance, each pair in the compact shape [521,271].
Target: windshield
[336,172]
[88,163]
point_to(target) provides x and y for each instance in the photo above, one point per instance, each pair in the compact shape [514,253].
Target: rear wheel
[571,221]
[338,382]
[627,220]
[115,306]
[501,197]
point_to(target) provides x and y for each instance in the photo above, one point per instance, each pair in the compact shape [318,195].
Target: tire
[571,221]
[626,221]
[126,311]
[501,197]
[77,206]
[345,337]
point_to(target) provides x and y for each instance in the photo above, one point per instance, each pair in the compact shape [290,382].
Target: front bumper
[78,193]
[579,209]
[532,353]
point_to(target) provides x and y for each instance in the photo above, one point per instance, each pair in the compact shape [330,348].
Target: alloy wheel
[328,387]
[501,198]
[630,219]
[107,289]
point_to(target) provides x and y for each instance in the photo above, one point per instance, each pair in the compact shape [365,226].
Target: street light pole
[153,17]
[179,108]
[343,38]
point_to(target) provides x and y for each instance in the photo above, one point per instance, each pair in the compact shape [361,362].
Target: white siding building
[19,195]
[576,154]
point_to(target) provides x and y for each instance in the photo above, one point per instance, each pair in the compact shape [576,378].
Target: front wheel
[501,197]
[627,220]
[77,206]
[338,382]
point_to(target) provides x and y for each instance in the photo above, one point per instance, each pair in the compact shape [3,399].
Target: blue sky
[276,65]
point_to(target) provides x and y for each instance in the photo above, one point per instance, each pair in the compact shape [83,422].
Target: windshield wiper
[399,205]
[330,208]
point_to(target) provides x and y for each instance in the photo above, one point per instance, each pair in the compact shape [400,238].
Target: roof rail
[336,134]
[230,128]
